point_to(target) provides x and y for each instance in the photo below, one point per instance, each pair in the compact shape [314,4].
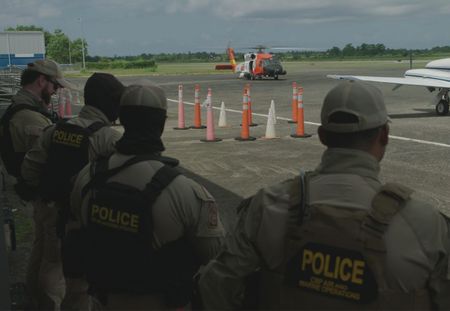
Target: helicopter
[256,65]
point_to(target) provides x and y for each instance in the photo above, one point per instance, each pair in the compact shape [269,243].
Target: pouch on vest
[12,159]
[119,255]
[67,155]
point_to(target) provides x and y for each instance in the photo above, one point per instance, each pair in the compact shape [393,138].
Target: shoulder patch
[213,215]
[209,224]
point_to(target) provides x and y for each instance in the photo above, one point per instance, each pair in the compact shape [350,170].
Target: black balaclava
[143,115]
[103,91]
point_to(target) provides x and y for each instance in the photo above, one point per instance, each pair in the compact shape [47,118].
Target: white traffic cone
[270,128]
[222,116]
[272,109]
[77,100]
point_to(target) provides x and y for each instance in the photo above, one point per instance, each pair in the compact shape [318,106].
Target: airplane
[256,65]
[435,75]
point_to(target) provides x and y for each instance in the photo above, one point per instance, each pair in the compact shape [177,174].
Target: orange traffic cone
[210,135]
[294,103]
[300,130]
[68,108]
[250,112]
[61,103]
[197,110]
[181,123]
[245,130]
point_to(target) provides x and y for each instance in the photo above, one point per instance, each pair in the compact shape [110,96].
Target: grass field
[208,68]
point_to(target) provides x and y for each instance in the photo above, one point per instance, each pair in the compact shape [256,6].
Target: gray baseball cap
[51,68]
[361,100]
[148,95]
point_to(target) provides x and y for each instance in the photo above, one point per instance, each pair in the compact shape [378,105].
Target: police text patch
[67,138]
[113,218]
[332,271]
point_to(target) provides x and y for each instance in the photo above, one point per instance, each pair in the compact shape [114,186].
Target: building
[18,48]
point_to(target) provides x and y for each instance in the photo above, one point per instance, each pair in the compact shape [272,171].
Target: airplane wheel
[442,108]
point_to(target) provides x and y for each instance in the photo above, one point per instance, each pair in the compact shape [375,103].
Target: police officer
[59,154]
[146,228]
[21,125]
[336,238]
[27,115]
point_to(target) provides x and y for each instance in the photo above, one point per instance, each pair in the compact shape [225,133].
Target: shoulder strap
[94,127]
[11,110]
[100,172]
[19,107]
[162,178]
[389,200]
[298,195]
[90,129]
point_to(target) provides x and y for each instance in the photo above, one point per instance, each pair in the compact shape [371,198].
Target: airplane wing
[416,81]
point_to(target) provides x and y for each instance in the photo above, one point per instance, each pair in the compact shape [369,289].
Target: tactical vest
[119,230]
[67,155]
[337,260]
[12,159]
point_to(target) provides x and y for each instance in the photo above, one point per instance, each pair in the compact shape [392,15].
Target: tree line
[62,49]
[365,50]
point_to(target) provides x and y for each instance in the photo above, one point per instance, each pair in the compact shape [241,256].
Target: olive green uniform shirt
[417,238]
[25,125]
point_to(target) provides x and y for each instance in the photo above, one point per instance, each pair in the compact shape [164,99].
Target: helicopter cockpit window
[276,61]
[271,61]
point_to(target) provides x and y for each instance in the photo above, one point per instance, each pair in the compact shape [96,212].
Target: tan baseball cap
[51,68]
[361,100]
[148,95]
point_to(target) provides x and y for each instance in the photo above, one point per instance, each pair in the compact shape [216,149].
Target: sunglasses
[55,83]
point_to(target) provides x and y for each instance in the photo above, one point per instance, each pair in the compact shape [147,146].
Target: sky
[133,27]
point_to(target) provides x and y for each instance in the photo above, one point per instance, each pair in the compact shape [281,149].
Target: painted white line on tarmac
[419,141]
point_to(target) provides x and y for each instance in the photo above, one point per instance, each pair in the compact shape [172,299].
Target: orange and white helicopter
[256,65]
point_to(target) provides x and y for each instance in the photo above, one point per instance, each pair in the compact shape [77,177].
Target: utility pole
[82,44]
[70,55]
[410,60]
[9,52]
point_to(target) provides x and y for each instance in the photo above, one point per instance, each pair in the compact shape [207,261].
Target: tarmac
[417,155]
